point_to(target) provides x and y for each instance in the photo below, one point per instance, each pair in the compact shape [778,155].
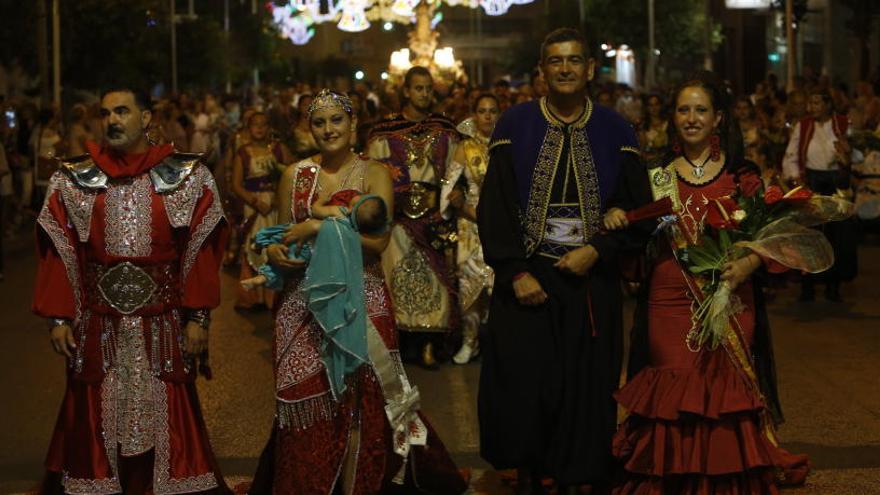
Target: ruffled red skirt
[695,424]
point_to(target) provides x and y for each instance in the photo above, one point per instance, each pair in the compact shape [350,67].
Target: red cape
[119,165]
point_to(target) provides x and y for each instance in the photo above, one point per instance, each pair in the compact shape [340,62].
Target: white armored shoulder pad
[84,172]
[170,174]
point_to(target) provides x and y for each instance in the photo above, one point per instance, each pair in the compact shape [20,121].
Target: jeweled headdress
[328,98]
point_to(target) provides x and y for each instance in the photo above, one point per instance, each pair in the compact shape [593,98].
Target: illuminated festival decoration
[297,18]
[296,21]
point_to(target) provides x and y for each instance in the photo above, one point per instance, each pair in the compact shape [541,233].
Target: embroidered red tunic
[127,245]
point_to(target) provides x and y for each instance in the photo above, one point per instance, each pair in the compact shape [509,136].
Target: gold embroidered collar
[554,120]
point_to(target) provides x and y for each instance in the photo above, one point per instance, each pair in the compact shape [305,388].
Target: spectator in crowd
[78,131]
[653,133]
[304,143]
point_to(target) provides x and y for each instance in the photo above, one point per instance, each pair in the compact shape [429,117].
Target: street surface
[828,358]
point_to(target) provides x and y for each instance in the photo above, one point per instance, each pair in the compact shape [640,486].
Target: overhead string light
[296,19]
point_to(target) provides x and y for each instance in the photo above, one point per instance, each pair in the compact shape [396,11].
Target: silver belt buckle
[126,287]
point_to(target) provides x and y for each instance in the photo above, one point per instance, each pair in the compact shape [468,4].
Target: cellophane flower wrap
[766,221]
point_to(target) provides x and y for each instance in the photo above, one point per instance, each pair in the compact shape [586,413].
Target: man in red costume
[130,241]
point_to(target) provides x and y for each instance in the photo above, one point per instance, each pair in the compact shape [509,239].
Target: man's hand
[528,290]
[578,261]
[195,339]
[615,219]
[61,337]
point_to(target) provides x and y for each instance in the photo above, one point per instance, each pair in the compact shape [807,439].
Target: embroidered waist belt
[420,199]
[126,288]
[563,231]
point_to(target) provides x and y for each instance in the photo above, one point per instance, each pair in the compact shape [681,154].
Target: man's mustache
[115,130]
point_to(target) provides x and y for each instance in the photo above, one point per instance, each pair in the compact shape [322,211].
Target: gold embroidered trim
[631,149]
[542,184]
[499,142]
[554,121]
[588,184]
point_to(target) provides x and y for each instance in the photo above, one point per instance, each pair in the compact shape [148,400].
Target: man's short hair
[562,35]
[416,70]
[141,98]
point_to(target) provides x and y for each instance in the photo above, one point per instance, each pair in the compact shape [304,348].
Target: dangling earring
[715,147]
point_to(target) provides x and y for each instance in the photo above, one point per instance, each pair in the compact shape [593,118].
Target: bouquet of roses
[764,221]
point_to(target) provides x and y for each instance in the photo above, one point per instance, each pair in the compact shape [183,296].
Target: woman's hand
[736,272]
[320,208]
[456,198]
[615,219]
[277,254]
[262,206]
[322,211]
[300,233]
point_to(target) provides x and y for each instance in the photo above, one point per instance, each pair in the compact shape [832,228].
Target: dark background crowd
[215,124]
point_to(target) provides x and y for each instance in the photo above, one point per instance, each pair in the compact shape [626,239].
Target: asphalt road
[828,357]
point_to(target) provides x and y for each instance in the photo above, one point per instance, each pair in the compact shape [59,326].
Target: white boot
[470,345]
[466,353]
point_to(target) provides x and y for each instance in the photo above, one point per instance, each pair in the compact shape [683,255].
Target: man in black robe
[552,354]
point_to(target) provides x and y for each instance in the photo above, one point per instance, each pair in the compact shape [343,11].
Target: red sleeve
[53,290]
[201,284]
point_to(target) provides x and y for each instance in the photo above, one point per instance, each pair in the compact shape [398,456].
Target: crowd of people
[463,221]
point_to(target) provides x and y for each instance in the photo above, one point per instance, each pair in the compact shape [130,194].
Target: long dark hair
[664,109]
[728,128]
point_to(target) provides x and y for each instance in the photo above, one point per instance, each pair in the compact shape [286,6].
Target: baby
[368,214]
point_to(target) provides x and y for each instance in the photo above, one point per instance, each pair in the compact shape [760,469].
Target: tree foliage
[679,29]
[862,24]
[109,42]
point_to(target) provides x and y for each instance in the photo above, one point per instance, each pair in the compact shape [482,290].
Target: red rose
[720,214]
[772,195]
[798,194]
[750,184]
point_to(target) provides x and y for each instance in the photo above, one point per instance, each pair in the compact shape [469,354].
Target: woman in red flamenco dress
[701,421]
[371,437]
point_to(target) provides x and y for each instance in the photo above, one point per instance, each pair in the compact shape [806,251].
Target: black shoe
[832,293]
